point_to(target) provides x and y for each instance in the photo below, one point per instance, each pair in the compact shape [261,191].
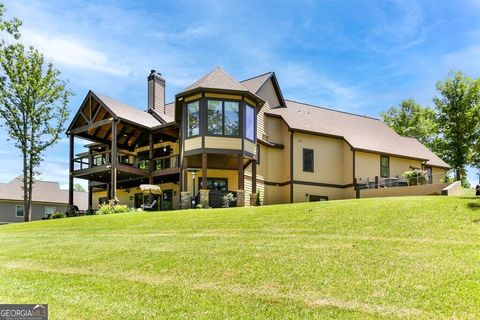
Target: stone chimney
[156,92]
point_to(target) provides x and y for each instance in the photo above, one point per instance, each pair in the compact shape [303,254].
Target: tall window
[232,123]
[249,122]
[307,160]
[19,210]
[384,167]
[223,118]
[193,119]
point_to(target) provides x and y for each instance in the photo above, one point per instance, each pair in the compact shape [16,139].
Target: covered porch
[129,147]
[207,177]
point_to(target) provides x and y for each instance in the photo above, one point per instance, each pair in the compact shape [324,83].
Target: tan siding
[250,146]
[267,93]
[223,143]
[301,193]
[194,97]
[437,174]
[347,164]
[8,210]
[398,166]
[223,96]
[277,195]
[273,130]
[328,159]
[193,143]
[367,165]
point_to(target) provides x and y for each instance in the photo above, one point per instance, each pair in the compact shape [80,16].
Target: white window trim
[16,210]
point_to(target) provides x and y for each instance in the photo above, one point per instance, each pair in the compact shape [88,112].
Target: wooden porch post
[90,196]
[185,174]
[204,171]
[113,161]
[241,175]
[150,157]
[70,176]
[254,176]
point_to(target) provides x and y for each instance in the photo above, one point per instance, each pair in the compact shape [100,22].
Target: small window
[249,122]
[232,123]
[308,160]
[19,210]
[384,167]
[193,119]
[313,198]
[50,210]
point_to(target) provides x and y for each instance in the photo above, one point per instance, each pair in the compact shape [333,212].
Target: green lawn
[414,257]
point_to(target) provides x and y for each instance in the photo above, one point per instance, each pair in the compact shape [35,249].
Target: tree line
[451,129]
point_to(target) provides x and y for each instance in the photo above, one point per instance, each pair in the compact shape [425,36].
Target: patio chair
[150,206]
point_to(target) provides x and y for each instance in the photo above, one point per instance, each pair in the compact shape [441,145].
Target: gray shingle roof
[361,132]
[217,79]
[43,191]
[129,113]
[254,84]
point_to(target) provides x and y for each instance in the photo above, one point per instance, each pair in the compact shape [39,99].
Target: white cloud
[68,51]
[466,60]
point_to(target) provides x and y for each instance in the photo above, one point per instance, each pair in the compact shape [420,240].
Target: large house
[47,198]
[223,135]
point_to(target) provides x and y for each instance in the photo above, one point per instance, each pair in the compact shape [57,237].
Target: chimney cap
[155,74]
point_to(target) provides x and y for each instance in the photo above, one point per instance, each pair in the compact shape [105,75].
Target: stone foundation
[185,200]
[204,198]
[253,199]
[240,198]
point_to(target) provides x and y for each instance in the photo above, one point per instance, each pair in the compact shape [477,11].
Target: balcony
[97,166]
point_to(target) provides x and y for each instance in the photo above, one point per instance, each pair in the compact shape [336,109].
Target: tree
[33,104]
[458,119]
[78,187]
[411,119]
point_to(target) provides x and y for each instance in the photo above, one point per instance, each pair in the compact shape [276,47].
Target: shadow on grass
[474,205]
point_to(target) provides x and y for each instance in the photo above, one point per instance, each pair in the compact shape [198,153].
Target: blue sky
[357,56]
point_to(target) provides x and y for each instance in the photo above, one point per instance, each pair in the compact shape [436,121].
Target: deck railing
[125,158]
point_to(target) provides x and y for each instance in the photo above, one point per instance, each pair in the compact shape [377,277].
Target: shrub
[199,206]
[57,215]
[90,212]
[258,201]
[416,177]
[227,198]
[111,209]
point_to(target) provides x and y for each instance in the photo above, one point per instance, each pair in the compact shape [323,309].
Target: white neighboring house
[47,198]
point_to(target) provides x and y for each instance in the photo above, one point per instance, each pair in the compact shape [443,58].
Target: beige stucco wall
[8,210]
[128,198]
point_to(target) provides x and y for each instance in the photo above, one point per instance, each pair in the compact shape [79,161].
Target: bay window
[223,118]
[249,122]
[193,119]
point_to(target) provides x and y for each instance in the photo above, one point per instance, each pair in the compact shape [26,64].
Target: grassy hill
[414,257]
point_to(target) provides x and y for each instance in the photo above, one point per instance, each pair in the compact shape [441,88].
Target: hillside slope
[414,257]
